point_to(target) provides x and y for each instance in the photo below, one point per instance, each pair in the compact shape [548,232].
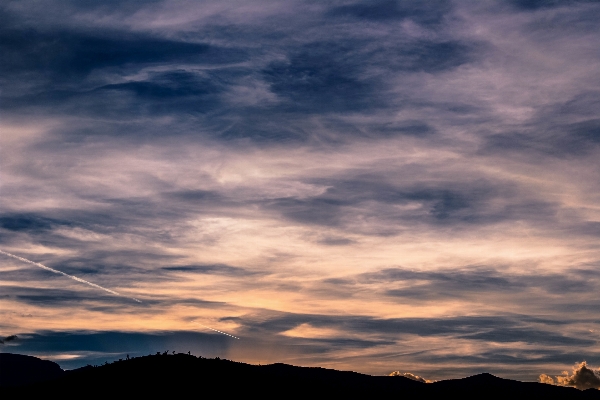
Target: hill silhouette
[18,370]
[187,375]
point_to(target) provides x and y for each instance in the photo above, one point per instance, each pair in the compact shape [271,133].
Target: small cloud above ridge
[410,376]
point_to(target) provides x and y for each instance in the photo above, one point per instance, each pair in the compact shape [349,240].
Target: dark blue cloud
[444,204]
[211,269]
[30,222]
[168,86]
[564,129]
[503,329]
[44,227]
[71,55]
[321,210]
[455,283]
[583,104]
[321,76]
[65,298]
[409,128]
[430,56]
[196,196]
[88,73]
[383,10]
[509,361]
[326,76]
[560,140]
[587,131]
[531,5]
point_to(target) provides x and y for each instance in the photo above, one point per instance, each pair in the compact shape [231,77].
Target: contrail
[67,275]
[208,327]
[96,286]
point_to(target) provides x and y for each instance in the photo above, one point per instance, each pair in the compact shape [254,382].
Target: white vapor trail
[96,286]
[208,327]
[67,275]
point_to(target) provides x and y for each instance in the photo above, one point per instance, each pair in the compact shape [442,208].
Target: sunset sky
[370,186]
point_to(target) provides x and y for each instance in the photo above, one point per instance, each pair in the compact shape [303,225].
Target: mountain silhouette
[486,385]
[180,375]
[18,370]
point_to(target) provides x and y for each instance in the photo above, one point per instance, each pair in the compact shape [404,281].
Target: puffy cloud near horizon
[582,378]
[368,185]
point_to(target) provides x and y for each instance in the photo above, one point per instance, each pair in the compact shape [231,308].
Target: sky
[373,186]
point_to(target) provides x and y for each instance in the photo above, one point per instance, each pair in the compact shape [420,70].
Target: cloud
[336,241]
[496,329]
[410,376]
[8,339]
[414,203]
[57,298]
[27,222]
[532,5]
[218,269]
[35,50]
[582,378]
[473,279]
[384,10]
[321,76]
[396,184]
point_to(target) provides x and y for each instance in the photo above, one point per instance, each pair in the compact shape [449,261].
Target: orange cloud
[581,378]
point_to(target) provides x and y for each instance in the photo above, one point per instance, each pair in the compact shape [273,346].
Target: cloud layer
[378,186]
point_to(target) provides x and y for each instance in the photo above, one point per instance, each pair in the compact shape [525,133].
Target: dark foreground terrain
[182,375]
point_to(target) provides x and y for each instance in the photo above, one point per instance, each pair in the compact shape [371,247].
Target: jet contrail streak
[208,327]
[67,275]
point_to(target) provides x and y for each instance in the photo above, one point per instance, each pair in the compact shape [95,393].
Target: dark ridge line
[175,375]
